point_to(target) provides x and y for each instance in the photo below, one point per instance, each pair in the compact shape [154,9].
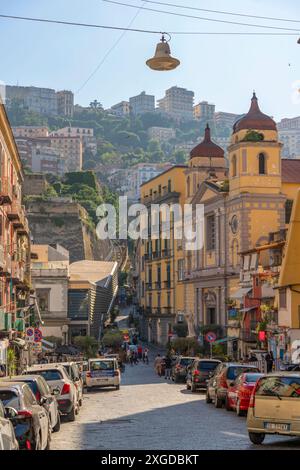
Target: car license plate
[277,426]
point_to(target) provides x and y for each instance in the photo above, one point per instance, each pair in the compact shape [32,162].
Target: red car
[239,392]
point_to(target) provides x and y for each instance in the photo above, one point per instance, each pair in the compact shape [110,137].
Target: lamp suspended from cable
[162,60]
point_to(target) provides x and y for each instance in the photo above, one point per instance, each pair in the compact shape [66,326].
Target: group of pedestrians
[163,366]
[136,354]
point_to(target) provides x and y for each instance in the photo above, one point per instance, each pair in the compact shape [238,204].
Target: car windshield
[102,365]
[48,374]
[207,365]
[234,371]
[286,387]
[252,378]
[186,361]
[10,398]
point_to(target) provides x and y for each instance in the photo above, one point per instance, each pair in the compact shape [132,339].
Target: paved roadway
[151,414]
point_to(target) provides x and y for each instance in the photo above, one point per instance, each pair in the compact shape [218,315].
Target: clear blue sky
[220,69]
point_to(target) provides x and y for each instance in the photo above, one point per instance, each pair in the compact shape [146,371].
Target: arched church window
[262,164]
[233,166]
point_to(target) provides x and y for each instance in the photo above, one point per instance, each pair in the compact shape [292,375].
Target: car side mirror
[43,400]
[10,413]
[56,391]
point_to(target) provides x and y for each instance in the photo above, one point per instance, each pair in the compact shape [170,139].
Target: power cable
[110,50]
[220,12]
[146,31]
[183,15]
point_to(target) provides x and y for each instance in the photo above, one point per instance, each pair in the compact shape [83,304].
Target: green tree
[87,345]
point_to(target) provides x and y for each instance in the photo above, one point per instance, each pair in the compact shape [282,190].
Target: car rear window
[186,361]
[234,371]
[102,365]
[252,378]
[48,374]
[286,387]
[10,398]
[207,365]
[33,386]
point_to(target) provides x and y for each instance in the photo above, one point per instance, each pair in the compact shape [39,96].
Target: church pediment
[206,192]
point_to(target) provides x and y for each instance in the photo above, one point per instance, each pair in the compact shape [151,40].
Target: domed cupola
[207,148]
[254,119]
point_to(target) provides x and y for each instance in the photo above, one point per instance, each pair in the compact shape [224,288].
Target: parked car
[8,439]
[179,370]
[30,420]
[43,395]
[73,372]
[287,366]
[198,373]
[275,406]
[103,372]
[59,382]
[225,374]
[239,392]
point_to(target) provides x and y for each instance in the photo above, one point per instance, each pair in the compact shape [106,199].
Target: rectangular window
[210,233]
[180,270]
[282,298]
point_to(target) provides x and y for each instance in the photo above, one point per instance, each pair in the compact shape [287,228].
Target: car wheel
[72,415]
[57,426]
[227,405]
[257,438]
[80,402]
[218,402]
[239,412]
[208,399]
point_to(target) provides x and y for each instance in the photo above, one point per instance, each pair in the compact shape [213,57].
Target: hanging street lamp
[162,60]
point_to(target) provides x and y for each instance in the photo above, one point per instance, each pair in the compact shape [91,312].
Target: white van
[103,372]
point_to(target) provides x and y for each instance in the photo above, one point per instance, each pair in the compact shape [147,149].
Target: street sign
[37,335]
[210,337]
[30,335]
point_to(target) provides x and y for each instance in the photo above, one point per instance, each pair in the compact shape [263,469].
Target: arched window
[188,185]
[262,164]
[233,166]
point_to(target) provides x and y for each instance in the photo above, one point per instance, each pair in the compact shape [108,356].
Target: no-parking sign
[30,335]
[210,337]
[38,336]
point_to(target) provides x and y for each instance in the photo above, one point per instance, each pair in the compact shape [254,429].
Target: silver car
[8,439]
[59,381]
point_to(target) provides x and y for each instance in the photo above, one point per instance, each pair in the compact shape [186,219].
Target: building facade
[142,104]
[178,103]
[161,134]
[204,111]
[93,287]
[65,103]
[14,240]
[121,109]
[50,276]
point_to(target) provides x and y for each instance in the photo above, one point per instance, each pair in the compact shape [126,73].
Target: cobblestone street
[150,413]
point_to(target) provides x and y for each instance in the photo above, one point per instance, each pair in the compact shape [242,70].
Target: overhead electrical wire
[214,20]
[146,31]
[110,50]
[220,12]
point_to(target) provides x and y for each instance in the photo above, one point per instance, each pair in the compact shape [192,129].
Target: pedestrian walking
[269,358]
[146,356]
[140,351]
[168,367]
[135,357]
[157,364]
[131,358]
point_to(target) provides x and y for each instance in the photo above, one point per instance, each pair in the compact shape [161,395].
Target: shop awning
[240,293]
[225,340]
[19,342]
[245,310]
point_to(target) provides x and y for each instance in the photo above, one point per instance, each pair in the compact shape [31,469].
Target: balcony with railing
[157,285]
[5,265]
[148,285]
[167,284]
[14,211]
[167,311]
[6,190]
[166,253]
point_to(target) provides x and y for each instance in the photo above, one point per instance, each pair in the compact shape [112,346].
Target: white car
[103,372]
[8,439]
[73,372]
[59,381]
